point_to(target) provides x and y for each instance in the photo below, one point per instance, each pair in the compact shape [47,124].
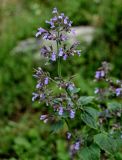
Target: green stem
[59,59]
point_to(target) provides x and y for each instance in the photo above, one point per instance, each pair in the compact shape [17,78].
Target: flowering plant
[94,123]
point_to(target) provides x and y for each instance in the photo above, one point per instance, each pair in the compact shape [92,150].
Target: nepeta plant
[93,122]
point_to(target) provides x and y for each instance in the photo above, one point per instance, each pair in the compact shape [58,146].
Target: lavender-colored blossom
[97,75]
[63,37]
[70,23]
[102,73]
[73,31]
[77,145]
[78,52]
[42,117]
[72,114]
[35,96]
[39,85]
[46,80]
[60,112]
[65,57]
[69,135]
[118,91]
[61,52]
[40,31]
[42,96]
[65,20]
[53,56]
[55,11]
[71,87]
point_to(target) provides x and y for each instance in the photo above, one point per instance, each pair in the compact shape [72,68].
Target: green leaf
[57,126]
[114,105]
[90,153]
[89,116]
[108,143]
[84,100]
[75,90]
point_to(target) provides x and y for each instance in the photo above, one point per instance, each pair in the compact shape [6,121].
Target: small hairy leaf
[89,116]
[108,143]
[90,153]
[84,100]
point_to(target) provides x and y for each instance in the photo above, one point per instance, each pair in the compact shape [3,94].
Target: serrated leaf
[108,143]
[84,100]
[57,126]
[89,116]
[90,153]
[114,105]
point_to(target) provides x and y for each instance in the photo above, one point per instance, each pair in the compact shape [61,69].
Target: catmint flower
[39,85]
[69,135]
[65,20]
[77,145]
[53,56]
[46,80]
[72,114]
[60,52]
[35,96]
[78,52]
[55,11]
[44,118]
[118,91]
[63,37]
[60,112]
[40,31]
[42,96]
[97,75]
[65,57]
[73,31]
[71,87]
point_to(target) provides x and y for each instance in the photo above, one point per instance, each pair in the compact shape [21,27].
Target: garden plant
[92,124]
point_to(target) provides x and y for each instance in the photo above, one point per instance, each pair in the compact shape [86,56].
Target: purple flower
[60,112]
[65,57]
[63,37]
[70,87]
[42,96]
[53,57]
[61,52]
[65,20]
[39,85]
[46,80]
[35,96]
[70,24]
[54,18]
[102,73]
[78,52]
[55,10]
[69,135]
[51,23]
[42,117]
[40,31]
[73,31]
[118,91]
[77,145]
[97,75]
[72,114]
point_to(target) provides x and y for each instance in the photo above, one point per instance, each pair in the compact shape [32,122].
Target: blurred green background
[22,135]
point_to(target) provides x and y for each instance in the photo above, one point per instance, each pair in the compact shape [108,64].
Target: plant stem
[59,59]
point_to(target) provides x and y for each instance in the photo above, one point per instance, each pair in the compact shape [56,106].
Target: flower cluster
[113,87]
[60,25]
[41,86]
